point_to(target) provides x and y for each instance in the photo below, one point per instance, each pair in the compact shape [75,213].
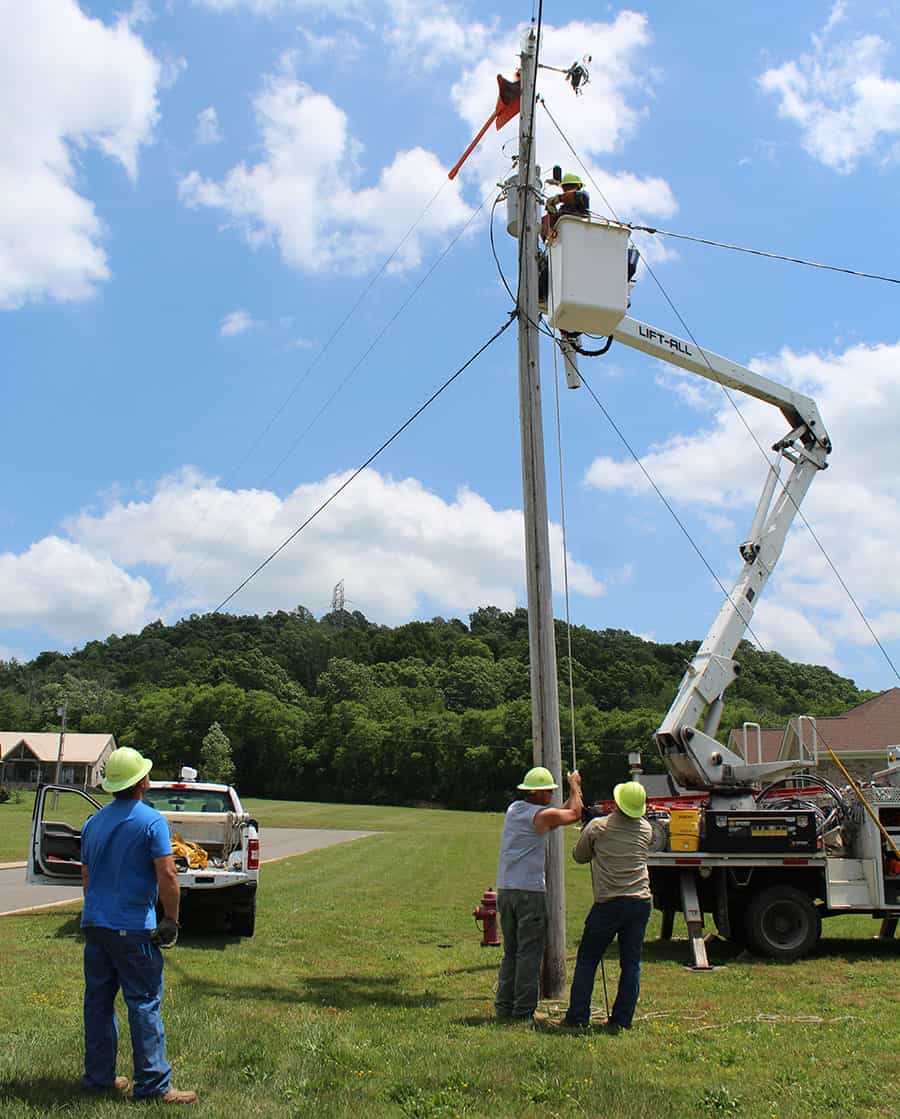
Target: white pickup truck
[203,815]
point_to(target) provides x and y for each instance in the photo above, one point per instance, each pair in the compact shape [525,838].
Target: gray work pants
[523,923]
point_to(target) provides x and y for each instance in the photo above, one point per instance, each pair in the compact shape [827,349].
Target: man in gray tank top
[522,890]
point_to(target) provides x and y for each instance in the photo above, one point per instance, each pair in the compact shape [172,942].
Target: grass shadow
[479,1020]
[720,952]
[208,942]
[49,1093]
[345,992]
[341,992]
[69,929]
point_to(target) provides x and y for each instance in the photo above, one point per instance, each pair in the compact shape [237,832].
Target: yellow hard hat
[631,797]
[124,768]
[537,779]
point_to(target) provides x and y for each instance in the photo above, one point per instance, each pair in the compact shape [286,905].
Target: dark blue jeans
[114,959]
[623,917]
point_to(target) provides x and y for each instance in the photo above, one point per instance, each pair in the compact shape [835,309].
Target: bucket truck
[762,846]
[765,848]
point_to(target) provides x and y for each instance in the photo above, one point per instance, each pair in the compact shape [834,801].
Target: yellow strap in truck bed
[183,849]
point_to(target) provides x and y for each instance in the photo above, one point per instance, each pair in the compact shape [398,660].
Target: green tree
[215,756]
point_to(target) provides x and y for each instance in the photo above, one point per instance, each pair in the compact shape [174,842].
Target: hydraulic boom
[686,736]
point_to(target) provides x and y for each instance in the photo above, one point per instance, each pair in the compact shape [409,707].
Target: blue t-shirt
[118,846]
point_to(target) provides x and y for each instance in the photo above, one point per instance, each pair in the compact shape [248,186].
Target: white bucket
[588,276]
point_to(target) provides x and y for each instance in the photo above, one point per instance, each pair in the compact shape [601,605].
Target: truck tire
[242,921]
[782,923]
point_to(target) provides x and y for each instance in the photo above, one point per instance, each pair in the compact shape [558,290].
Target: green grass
[365,992]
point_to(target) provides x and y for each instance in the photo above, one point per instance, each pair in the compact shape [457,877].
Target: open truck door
[54,849]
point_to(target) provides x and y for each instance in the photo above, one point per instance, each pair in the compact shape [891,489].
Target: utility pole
[62,737]
[541,634]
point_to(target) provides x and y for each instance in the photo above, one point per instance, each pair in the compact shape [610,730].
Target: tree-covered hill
[343,709]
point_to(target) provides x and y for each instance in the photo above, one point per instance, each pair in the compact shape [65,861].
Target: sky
[231,265]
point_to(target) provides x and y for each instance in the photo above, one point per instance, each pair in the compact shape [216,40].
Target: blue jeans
[122,958]
[623,917]
[523,922]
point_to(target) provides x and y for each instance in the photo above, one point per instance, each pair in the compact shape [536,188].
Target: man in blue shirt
[126,857]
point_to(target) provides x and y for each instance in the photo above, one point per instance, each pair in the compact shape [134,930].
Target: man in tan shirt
[616,846]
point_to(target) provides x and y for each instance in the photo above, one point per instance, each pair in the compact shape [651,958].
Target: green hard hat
[537,779]
[575,180]
[631,797]
[124,768]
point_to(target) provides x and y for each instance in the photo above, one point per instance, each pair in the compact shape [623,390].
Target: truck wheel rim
[784,925]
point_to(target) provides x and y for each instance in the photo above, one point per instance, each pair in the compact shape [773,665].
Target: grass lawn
[365,992]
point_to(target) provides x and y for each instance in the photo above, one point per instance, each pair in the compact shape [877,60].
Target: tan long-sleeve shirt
[616,846]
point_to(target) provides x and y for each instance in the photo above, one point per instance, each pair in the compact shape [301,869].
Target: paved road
[275,843]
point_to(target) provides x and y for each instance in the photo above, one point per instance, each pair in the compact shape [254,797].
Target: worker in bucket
[616,846]
[522,888]
[573,200]
[127,863]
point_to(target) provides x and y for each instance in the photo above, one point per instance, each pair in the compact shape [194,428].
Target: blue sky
[197,192]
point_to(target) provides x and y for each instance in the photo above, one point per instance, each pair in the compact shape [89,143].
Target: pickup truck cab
[208,819]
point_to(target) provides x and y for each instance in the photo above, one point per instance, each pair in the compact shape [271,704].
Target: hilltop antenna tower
[337,598]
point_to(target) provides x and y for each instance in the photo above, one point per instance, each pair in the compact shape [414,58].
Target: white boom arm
[692,754]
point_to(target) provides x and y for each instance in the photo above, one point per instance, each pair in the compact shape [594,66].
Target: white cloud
[597,123]
[307,194]
[235,322]
[340,45]
[345,9]
[71,592]
[301,195]
[854,506]
[404,544]
[435,33]
[207,130]
[838,95]
[71,82]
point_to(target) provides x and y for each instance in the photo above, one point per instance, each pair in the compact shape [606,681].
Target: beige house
[860,737]
[29,759]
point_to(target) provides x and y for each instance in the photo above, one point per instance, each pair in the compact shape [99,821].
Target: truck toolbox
[755,832]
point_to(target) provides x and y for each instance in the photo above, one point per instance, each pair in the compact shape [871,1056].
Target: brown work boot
[175,1096]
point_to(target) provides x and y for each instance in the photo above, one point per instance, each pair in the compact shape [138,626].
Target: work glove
[165,935]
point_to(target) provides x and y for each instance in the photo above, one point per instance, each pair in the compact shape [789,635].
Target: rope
[562,517]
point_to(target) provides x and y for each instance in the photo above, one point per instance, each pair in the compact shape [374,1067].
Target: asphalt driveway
[275,843]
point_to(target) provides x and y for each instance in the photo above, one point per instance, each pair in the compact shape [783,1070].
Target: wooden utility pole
[541,635]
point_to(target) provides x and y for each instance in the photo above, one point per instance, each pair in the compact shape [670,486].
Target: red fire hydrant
[487,914]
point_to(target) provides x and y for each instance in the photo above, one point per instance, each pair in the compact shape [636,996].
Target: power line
[662,497]
[353,369]
[368,461]
[581,162]
[337,330]
[764,253]
[707,240]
